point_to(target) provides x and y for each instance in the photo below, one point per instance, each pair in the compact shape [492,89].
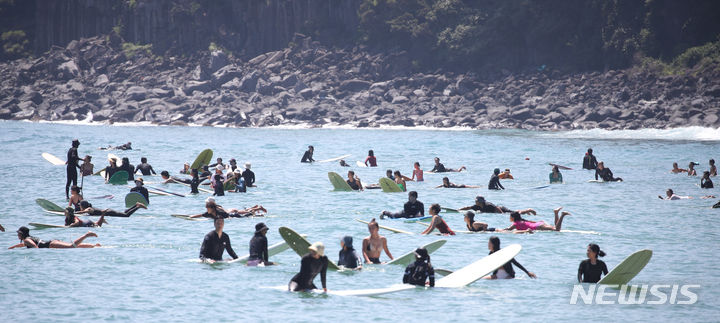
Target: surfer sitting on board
[112,169]
[412,208]
[130,169]
[371,159]
[437,222]
[417,173]
[705,181]
[86,169]
[354,181]
[72,166]
[259,247]
[307,157]
[311,264]
[440,168]
[494,183]
[446,184]
[194,182]
[676,169]
[144,168]
[72,221]
[373,244]
[167,179]
[215,243]
[506,174]
[87,208]
[506,271]
[420,271]
[388,174]
[139,188]
[556,176]
[589,161]
[31,242]
[347,256]
[691,169]
[476,226]
[592,269]
[605,173]
[523,225]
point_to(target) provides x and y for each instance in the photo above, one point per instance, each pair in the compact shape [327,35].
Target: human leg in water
[76,244]
[127,213]
[71,178]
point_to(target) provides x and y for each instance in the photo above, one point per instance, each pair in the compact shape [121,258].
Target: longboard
[479,269]
[628,268]
[596,181]
[203,159]
[410,256]
[388,186]
[443,272]
[49,206]
[421,219]
[166,192]
[187,217]
[360,164]
[119,178]
[53,159]
[46,226]
[448,210]
[386,228]
[200,189]
[134,197]
[118,160]
[333,159]
[61,213]
[300,245]
[560,166]
[339,184]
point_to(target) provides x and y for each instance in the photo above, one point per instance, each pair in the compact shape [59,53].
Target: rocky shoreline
[96,80]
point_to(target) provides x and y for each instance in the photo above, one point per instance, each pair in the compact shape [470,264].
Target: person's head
[210,205]
[343,163]
[507,170]
[515,217]
[412,196]
[76,143]
[589,151]
[446,181]
[346,243]
[139,182]
[129,144]
[113,162]
[434,209]
[232,161]
[351,174]
[261,228]
[422,254]
[706,174]
[69,216]
[388,173]
[237,171]
[219,160]
[126,161]
[219,169]
[317,249]
[469,217]
[493,244]
[479,200]
[593,251]
[206,168]
[417,165]
[84,205]
[437,160]
[76,190]
[23,233]
[373,226]
[555,169]
[712,162]
[87,158]
[219,223]
[669,192]
[186,166]
[675,165]
[496,171]
[165,174]
[692,165]
[247,165]
[371,153]
[311,148]
[143,160]
[194,172]
[601,165]
[397,173]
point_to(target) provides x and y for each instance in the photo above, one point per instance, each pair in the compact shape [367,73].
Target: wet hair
[495,242]
[422,254]
[397,173]
[437,158]
[69,216]
[435,207]
[211,205]
[555,169]
[712,161]
[590,150]
[470,215]
[516,216]
[165,173]
[351,172]
[311,147]
[446,179]
[417,164]
[596,249]
[126,161]
[706,174]
[374,224]
[194,172]
[413,193]
[24,232]
[76,143]
[371,153]
[143,160]
[76,188]
[85,204]
[670,190]
[389,171]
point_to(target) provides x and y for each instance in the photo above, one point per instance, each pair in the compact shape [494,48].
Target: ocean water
[146,272]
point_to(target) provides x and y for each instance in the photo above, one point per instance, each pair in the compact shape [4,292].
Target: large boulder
[354,85]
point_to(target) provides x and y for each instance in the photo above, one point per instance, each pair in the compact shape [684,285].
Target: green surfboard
[388,186]
[203,159]
[134,197]
[409,257]
[628,268]
[46,226]
[339,184]
[49,206]
[119,178]
[300,245]
[229,186]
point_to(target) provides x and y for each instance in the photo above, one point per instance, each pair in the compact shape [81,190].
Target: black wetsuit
[145,169]
[509,268]
[439,168]
[354,185]
[591,273]
[410,210]
[589,161]
[706,184]
[72,166]
[180,180]
[218,185]
[472,228]
[606,175]
[249,177]
[259,248]
[416,273]
[489,208]
[130,170]
[348,258]
[309,268]
[110,171]
[220,214]
[213,246]
[40,243]
[110,212]
[142,190]
[494,183]
[307,157]
[194,183]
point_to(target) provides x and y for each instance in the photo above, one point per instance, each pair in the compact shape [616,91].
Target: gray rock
[226,74]
[69,70]
[354,85]
[249,82]
[101,80]
[306,93]
[218,59]
[400,99]
[136,93]
[192,86]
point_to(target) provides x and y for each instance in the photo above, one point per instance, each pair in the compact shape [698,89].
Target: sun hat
[318,247]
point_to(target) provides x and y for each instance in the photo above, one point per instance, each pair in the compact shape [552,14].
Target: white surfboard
[118,160]
[53,159]
[373,292]
[272,250]
[187,217]
[386,228]
[479,269]
[360,164]
[596,181]
[333,159]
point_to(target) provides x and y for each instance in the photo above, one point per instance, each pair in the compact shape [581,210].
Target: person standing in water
[308,156]
[371,159]
[677,169]
[373,244]
[605,173]
[259,247]
[249,176]
[129,168]
[417,173]
[556,176]
[589,161]
[26,240]
[111,170]
[215,243]
[347,256]
[354,181]
[86,169]
[437,222]
[691,169]
[145,168]
[713,169]
[194,182]
[506,271]
[521,224]
[420,271]
[412,208]
[72,167]
[141,189]
[592,269]
[494,183]
[705,181]
[311,264]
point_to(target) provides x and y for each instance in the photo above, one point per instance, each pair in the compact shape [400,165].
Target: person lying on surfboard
[474,226]
[72,221]
[213,210]
[556,176]
[446,184]
[486,207]
[26,240]
[215,243]
[676,169]
[308,156]
[87,208]
[437,222]
[313,263]
[592,269]
[371,159]
[347,256]
[167,179]
[75,197]
[506,271]
[259,247]
[420,271]
[354,181]
[440,168]
[127,146]
[522,225]
[388,174]
[670,195]
[412,208]
[605,173]
[417,173]
[343,163]
[373,244]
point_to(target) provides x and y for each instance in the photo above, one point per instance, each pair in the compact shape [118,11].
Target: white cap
[219,167]
[247,165]
[210,199]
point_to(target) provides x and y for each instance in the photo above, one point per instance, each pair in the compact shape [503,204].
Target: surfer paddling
[506,271]
[437,222]
[592,269]
[26,240]
[72,221]
[87,208]
[412,208]
[311,264]
[167,179]
[215,243]
[486,207]
[308,155]
[440,168]
[523,225]
[670,195]
[72,167]
[447,184]
[374,244]
[420,271]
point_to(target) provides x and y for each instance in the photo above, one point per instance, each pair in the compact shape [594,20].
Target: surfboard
[479,269]
[443,272]
[53,159]
[119,178]
[203,159]
[421,219]
[388,186]
[272,250]
[200,189]
[118,160]
[628,268]
[299,244]
[560,166]
[410,256]
[386,228]
[229,186]
[360,164]
[134,197]
[101,172]
[187,217]
[166,192]
[372,292]
[49,206]
[46,226]
[108,196]
[596,181]
[448,210]
[333,159]
[61,213]
[540,187]
[339,184]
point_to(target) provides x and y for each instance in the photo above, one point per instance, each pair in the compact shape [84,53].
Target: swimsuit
[525,225]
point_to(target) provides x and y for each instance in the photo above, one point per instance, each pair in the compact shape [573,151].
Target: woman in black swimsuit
[592,269]
[446,184]
[72,221]
[475,226]
[86,208]
[26,240]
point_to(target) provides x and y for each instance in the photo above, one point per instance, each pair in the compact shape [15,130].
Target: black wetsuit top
[509,268]
[259,248]
[416,273]
[353,185]
[249,177]
[194,183]
[706,184]
[220,214]
[213,246]
[309,268]
[110,171]
[130,170]
[72,159]
[472,228]
[439,168]
[591,273]
[589,162]
[348,258]
[494,183]
[606,174]
[40,243]
[307,157]
[143,191]
[145,169]
[412,209]
[489,208]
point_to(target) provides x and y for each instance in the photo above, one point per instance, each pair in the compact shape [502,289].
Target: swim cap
[347,240]
[261,226]
[497,171]
[421,253]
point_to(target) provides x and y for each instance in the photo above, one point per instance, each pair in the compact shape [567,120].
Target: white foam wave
[684,133]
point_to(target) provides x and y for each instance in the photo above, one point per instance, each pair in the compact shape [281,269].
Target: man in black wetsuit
[494,183]
[218,162]
[194,182]
[249,176]
[605,173]
[259,247]
[141,189]
[439,167]
[485,207]
[412,208]
[215,243]
[173,179]
[589,161]
[313,263]
[72,167]
[129,168]
[145,168]
[308,156]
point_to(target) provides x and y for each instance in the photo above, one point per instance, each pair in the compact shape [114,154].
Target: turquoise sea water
[147,273]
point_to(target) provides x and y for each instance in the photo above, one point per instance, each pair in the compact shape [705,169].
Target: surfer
[215,243]
[72,166]
[259,247]
[591,269]
[670,195]
[144,168]
[240,186]
[218,181]
[476,226]
[75,197]
[86,169]
[420,271]
[2,229]
[130,169]
[167,179]
[111,170]
[437,222]
[354,181]
[486,207]
[212,210]
[311,264]
[412,208]
[417,173]
[691,169]
[218,162]
[308,156]
[447,184]
[440,168]
[194,182]
[713,169]
[206,173]
[371,159]
[506,174]
[373,244]
[72,221]
[676,169]
[347,256]
[705,181]
[494,183]
[389,174]
[233,164]
[589,161]
[186,169]
[400,180]
[506,271]
[249,176]
[605,173]
[523,225]
[343,163]
[141,189]
[556,176]
[26,240]
[87,208]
